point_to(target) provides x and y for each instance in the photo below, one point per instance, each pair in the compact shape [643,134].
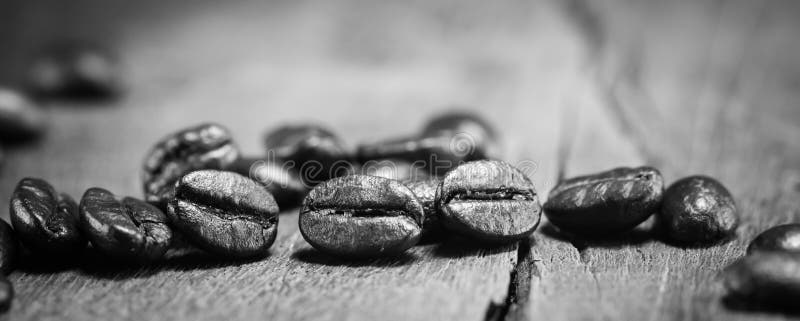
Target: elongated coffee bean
[76,70]
[225,213]
[20,118]
[361,216]
[781,238]
[46,221]
[6,294]
[317,154]
[396,169]
[766,278]
[283,183]
[128,229]
[426,191]
[605,203]
[205,146]
[9,248]
[489,200]
[698,210]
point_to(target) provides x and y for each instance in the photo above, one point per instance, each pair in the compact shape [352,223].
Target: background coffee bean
[225,213]
[490,201]
[361,216]
[426,191]
[766,278]
[317,153]
[781,238]
[45,221]
[205,146]
[9,248]
[284,184]
[396,169]
[6,294]
[698,210]
[466,123]
[76,70]
[605,203]
[20,118]
[129,229]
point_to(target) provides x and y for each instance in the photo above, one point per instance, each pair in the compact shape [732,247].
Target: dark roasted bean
[361,216]
[6,294]
[76,70]
[225,213]
[284,184]
[426,191]
[698,210]
[316,153]
[781,238]
[45,221]
[9,248]
[206,146]
[129,229]
[605,203]
[489,200]
[20,118]
[765,278]
[396,169]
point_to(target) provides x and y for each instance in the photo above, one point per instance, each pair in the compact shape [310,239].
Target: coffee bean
[225,213]
[781,238]
[698,210]
[605,203]
[76,70]
[463,122]
[205,146]
[45,221]
[129,229]
[6,294]
[284,184]
[361,216]
[9,248]
[766,278]
[489,200]
[317,154]
[426,191]
[396,169]
[20,118]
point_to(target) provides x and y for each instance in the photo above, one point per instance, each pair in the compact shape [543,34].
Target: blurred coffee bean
[463,122]
[361,216]
[205,146]
[225,213]
[6,294]
[20,118]
[426,191]
[75,71]
[284,184]
[45,221]
[9,248]
[396,169]
[490,201]
[605,203]
[127,229]
[317,154]
[770,279]
[698,210]
[781,238]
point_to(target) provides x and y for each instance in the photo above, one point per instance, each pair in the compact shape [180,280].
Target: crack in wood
[519,286]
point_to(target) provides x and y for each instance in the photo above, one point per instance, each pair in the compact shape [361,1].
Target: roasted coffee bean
[225,213]
[361,216]
[605,203]
[446,142]
[129,229]
[781,238]
[20,118]
[698,210]
[205,146]
[396,169]
[426,191]
[6,294]
[490,201]
[45,221]
[765,278]
[9,248]
[284,184]
[76,70]
[316,153]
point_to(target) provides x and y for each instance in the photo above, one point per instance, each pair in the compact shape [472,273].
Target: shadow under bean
[312,256]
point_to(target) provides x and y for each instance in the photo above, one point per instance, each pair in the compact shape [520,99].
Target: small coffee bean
[698,210]
[6,294]
[463,122]
[766,278]
[781,238]
[396,169]
[426,191]
[361,216]
[20,118]
[489,200]
[225,213]
[205,146]
[605,203]
[284,184]
[76,70]
[317,154]
[9,248]
[45,221]
[129,229]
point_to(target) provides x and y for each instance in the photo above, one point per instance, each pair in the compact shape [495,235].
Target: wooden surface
[575,86]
